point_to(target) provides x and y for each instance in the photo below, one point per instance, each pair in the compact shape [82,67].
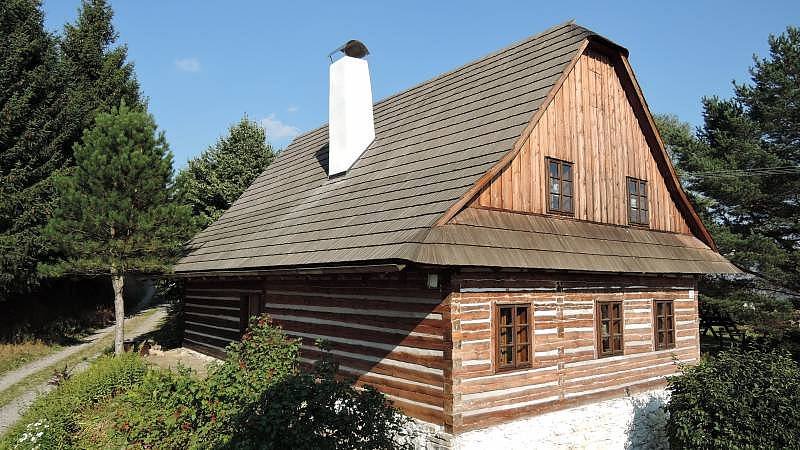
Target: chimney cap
[352,48]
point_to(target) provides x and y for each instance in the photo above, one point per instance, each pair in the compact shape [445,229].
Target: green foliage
[53,414]
[212,181]
[50,90]
[257,398]
[755,219]
[736,400]
[116,213]
[317,410]
[182,411]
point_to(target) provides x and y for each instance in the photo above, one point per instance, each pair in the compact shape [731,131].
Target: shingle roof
[477,237]
[433,142]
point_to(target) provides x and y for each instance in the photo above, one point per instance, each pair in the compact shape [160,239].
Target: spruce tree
[32,142]
[117,214]
[50,91]
[212,181]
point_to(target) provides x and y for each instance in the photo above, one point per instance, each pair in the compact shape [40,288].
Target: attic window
[638,213]
[559,183]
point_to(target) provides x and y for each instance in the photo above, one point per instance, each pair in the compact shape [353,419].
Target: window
[609,328]
[637,202]
[513,336]
[560,186]
[664,324]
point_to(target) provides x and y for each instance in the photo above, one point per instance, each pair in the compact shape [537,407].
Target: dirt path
[10,412]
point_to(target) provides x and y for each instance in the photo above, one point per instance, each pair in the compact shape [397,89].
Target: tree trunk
[119,312]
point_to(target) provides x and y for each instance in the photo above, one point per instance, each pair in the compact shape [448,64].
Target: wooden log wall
[566,370]
[213,313]
[388,332]
[591,122]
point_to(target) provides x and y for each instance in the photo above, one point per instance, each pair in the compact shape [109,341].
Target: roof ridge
[570,22]
[477,60]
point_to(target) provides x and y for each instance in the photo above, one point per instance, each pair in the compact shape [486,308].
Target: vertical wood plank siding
[591,123]
[389,333]
[566,370]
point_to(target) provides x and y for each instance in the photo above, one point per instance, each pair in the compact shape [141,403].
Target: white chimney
[351,128]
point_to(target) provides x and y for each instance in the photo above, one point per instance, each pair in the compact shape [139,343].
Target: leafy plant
[178,410]
[742,400]
[320,411]
[257,398]
[50,422]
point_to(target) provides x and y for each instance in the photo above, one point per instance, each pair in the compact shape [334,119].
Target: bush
[50,422]
[178,410]
[318,411]
[743,400]
[257,398]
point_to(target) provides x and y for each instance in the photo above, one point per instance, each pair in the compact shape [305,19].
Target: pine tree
[742,171]
[117,214]
[49,93]
[214,180]
[757,215]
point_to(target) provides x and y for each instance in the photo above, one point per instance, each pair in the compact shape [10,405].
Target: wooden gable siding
[566,370]
[590,122]
[389,332]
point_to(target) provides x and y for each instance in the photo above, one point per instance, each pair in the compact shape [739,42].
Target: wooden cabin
[513,241]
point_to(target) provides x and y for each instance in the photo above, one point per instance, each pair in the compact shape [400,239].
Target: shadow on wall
[648,427]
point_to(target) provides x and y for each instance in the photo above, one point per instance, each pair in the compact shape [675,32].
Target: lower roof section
[490,238]
[483,237]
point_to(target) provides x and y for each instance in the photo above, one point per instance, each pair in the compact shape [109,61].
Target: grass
[102,345]
[53,418]
[13,356]
[97,427]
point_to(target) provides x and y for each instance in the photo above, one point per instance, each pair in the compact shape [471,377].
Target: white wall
[635,422]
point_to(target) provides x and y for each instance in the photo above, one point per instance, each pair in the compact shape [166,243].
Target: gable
[591,122]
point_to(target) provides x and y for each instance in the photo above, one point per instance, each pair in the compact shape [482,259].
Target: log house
[513,241]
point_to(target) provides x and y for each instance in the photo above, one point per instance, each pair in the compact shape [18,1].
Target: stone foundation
[635,422]
[427,436]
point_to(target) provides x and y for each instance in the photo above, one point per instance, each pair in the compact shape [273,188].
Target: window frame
[561,210]
[515,365]
[642,198]
[599,328]
[669,331]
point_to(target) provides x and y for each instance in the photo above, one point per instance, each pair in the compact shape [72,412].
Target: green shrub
[742,400]
[318,411]
[178,410]
[50,422]
[257,398]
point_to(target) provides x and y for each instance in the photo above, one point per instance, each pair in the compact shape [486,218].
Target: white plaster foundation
[634,422]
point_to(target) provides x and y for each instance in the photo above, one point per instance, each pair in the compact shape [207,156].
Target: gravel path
[11,412]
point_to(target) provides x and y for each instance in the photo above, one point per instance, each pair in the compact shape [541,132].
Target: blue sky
[204,64]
